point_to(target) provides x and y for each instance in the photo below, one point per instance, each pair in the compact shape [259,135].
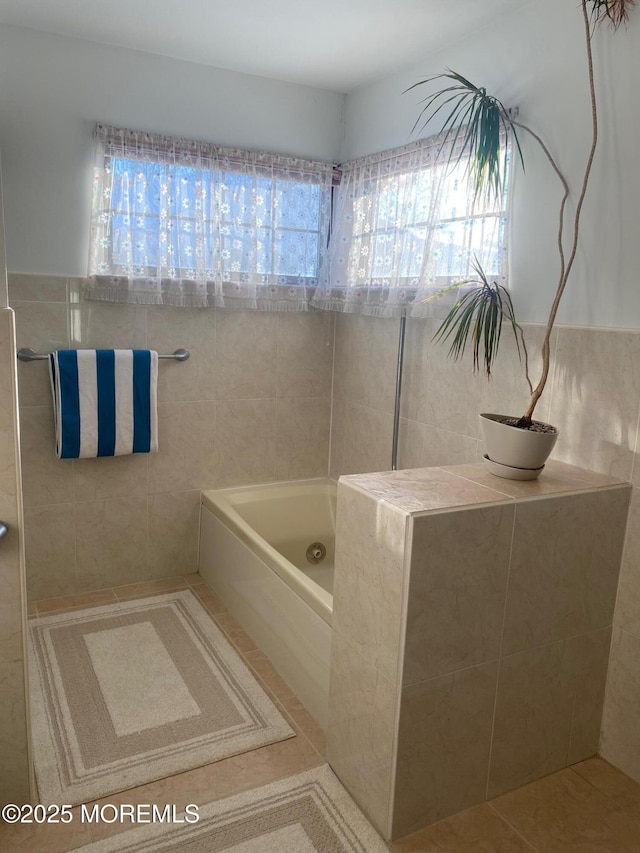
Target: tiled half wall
[471,634]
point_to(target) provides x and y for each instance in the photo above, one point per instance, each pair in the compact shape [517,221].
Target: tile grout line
[500,649]
[599,790]
[510,825]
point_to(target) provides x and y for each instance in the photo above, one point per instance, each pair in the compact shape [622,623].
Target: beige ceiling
[334,44]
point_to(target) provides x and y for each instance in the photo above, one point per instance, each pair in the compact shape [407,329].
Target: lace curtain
[194,224]
[405,225]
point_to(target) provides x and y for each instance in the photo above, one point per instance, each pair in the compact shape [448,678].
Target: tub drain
[316,552]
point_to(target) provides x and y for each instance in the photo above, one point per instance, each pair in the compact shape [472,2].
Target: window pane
[162,217]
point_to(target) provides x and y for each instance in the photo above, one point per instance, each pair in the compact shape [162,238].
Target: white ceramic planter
[511,447]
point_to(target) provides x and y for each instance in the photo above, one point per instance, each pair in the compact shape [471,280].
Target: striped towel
[104,402]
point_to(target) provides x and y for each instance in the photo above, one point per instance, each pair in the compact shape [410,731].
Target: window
[407,225]
[188,223]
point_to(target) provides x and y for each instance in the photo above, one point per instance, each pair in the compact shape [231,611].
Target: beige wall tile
[459,568]
[246,354]
[447,394]
[7,362]
[627,612]
[620,743]
[340,388]
[45,478]
[507,392]
[589,656]
[107,325]
[169,329]
[111,543]
[443,746]
[338,437]
[410,443]
[415,370]
[174,520]
[37,288]
[8,483]
[564,569]
[596,410]
[369,577]
[361,730]
[34,384]
[367,440]
[10,628]
[186,456]
[424,446]
[532,725]
[245,442]
[424,489]
[452,394]
[370,371]
[305,354]
[557,478]
[44,328]
[50,550]
[111,477]
[302,429]
[441,447]
[10,591]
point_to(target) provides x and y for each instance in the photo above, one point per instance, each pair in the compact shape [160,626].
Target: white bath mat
[136,691]
[307,813]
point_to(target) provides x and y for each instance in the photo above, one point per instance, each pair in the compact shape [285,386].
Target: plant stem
[565,191]
[566,270]
[526,357]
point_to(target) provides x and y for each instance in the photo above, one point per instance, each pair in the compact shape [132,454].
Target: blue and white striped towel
[105,402]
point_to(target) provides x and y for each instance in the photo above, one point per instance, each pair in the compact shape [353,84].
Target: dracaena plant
[473,125]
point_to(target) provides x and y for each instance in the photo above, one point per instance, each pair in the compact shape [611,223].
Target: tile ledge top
[418,490]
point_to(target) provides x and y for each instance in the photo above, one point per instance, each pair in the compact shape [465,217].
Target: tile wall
[251,405]
[254,404]
[14,748]
[593,396]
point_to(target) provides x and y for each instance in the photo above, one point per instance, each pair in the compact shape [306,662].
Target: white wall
[534,57]
[54,90]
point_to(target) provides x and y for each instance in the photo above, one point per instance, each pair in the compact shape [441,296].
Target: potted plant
[475,123]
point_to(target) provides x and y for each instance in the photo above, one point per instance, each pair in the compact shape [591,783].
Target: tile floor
[589,808]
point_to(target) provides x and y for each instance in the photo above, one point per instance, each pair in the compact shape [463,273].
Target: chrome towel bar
[27,354]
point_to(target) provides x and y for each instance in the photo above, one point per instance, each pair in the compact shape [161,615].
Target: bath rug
[307,813]
[131,692]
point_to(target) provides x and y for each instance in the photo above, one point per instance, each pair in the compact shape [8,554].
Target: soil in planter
[535,426]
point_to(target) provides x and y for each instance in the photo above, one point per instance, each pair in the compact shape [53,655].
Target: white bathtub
[253,544]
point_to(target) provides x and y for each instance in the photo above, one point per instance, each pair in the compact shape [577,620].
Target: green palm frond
[477,317]
[615,12]
[473,124]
